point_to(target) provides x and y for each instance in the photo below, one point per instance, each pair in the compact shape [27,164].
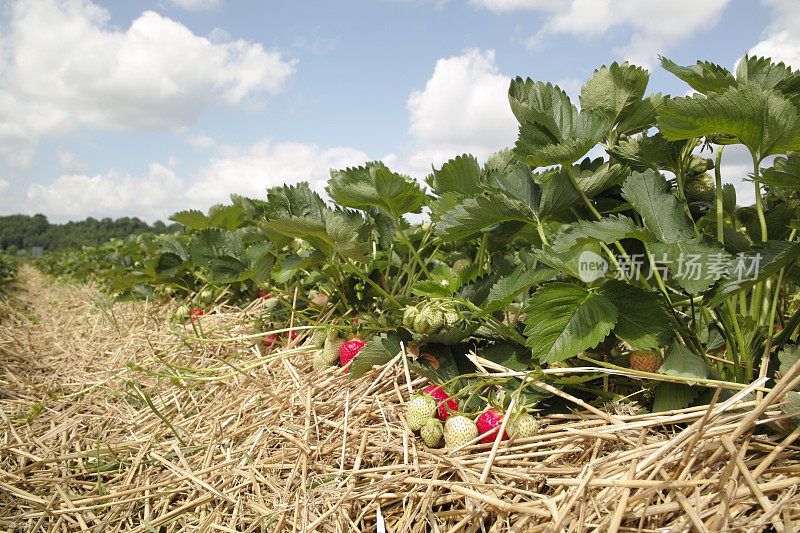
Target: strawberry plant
[606,229]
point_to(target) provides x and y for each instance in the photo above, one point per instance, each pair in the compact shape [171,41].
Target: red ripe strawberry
[262,294]
[349,350]
[645,361]
[443,400]
[271,339]
[194,313]
[274,338]
[490,420]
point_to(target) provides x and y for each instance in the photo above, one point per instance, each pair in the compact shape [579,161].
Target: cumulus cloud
[267,164]
[655,24]
[114,194]
[197,5]
[781,39]
[462,109]
[156,75]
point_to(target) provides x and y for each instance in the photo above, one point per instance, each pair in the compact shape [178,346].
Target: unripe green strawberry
[699,165]
[330,353]
[460,264]
[645,361]
[182,313]
[558,364]
[436,320]
[421,324]
[419,408]
[459,430]
[206,294]
[319,360]
[431,432]
[451,317]
[700,189]
[408,317]
[522,426]
[318,338]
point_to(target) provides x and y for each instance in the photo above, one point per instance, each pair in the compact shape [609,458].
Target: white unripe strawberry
[459,430]
[419,409]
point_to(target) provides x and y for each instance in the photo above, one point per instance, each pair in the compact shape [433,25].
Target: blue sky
[144,108]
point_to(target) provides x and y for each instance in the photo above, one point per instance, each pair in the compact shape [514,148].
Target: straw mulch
[267,444]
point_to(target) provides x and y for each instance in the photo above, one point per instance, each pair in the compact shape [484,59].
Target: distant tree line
[22,232]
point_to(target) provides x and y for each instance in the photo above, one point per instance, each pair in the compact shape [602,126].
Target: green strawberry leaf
[298,200]
[752,267]
[704,77]
[592,176]
[606,230]
[673,396]
[661,210]
[695,263]
[563,319]
[511,356]
[192,219]
[552,130]
[792,405]
[613,91]
[642,317]
[376,185]
[506,289]
[537,150]
[515,198]
[502,162]
[460,175]
[640,116]
[227,217]
[764,121]
[788,356]
[680,362]
[769,75]
[784,172]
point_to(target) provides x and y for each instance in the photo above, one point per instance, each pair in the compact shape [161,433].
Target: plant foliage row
[501,268]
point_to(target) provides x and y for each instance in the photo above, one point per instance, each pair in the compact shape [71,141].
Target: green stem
[739,338]
[542,235]
[481,252]
[759,208]
[583,196]
[374,285]
[718,178]
[411,247]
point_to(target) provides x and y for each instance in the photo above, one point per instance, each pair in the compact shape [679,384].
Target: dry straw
[222,436]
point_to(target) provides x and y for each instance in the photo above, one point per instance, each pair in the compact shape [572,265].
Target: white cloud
[156,75]
[114,194]
[197,5]
[655,24]
[782,37]
[4,185]
[463,109]
[267,164]
[202,141]
[70,163]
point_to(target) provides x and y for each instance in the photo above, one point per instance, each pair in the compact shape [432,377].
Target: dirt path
[59,336]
